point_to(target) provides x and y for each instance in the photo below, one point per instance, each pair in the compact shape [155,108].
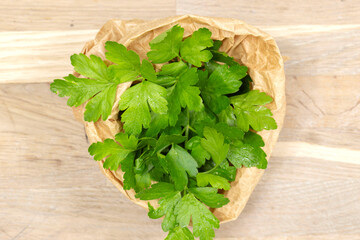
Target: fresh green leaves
[148,71]
[166,46]
[197,151]
[214,144]
[248,153]
[136,102]
[181,164]
[169,198]
[223,80]
[250,112]
[157,190]
[173,69]
[186,127]
[92,67]
[184,94]
[180,233]
[100,88]
[193,49]
[127,63]
[203,220]
[209,196]
[114,152]
[204,179]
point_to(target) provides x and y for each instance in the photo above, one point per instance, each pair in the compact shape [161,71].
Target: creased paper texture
[247,44]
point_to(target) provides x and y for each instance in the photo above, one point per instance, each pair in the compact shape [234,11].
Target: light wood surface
[51,189]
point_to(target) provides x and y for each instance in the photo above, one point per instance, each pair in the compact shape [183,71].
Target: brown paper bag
[247,44]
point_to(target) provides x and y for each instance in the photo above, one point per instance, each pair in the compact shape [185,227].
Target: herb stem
[192,129]
[216,166]
[187,125]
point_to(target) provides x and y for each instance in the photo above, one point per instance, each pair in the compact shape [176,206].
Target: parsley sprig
[186,128]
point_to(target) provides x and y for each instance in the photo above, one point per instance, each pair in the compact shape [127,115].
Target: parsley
[209,196]
[214,144]
[166,46]
[181,165]
[186,128]
[193,49]
[136,102]
[127,63]
[223,80]
[250,112]
[114,152]
[99,89]
[203,220]
[204,179]
[184,94]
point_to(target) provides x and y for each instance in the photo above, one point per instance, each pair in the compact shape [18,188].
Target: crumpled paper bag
[247,44]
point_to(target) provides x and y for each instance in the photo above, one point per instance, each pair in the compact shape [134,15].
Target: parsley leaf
[148,71]
[114,152]
[157,190]
[204,179]
[143,180]
[214,144]
[166,140]
[173,69]
[166,46]
[184,94]
[203,220]
[193,48]
[101,87]
[227,116]
[216,46]
[224,80]
[136,101]
[209,196]
[127,63]
[127,166]
[158,122]
[254,139]
[225,170]
[93,67]
[221,56]
[197,151]
[180,163]
[248,153]
[169,198]
[249,112]
[231,133]
[180,233]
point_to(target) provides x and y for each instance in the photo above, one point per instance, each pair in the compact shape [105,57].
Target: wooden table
[50,188]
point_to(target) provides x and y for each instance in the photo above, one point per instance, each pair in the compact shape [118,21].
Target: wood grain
[54,183]
[25,15]
[273,12]
[41,56]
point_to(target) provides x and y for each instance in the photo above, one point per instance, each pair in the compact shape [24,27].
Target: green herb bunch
[186,128]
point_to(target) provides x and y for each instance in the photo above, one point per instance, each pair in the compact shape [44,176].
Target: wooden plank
[24,15]
[40,56]
[48,181]
[324,102]
[319,50]
[274,13]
